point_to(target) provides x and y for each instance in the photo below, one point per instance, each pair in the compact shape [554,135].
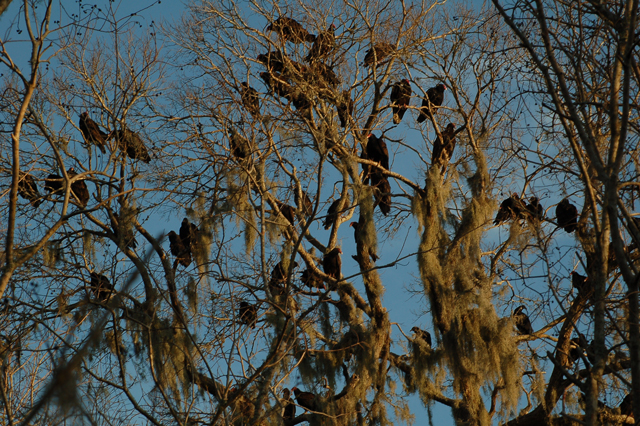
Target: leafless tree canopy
[212,221]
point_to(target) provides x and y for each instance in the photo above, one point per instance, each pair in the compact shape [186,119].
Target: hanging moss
[52,253]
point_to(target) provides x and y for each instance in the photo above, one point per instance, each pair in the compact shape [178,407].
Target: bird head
[406,80]
[84,115]
[519,309]
[443,87]
[332,27]
[451,127]
[353,224]
[339,250]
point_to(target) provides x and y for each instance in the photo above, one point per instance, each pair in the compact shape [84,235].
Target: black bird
[279,278]
[28,189]
[248,314]
[53,183]
[306,205]
[332,264]
[567,216]
[131,144]
[377,150]
[357,229]
[305,399]
[239,145]
[189,235]
[324,43]
[92,133]
[511,208]
[274,61]
[443,148]
[575,350]
[434,97]
[291,30]
[422,335]
[377,53]
[345,108]
[79,189]
[287,211]
[181,253]
[400,99]
[100,287]
[250,99]
[311,280]
[332,214]
[523,324]
[289,412]
[535,210]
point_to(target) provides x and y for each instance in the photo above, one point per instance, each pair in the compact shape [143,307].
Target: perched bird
[381,192]
[311,280]
[567,216]
[443,148]
[127,238]
[357,229]
[422,335]
[131,143]
[291,30]
[274,61]
[79,189]
[54,183]
[345,108]
[511,208]
[100,287]
[575,350]
[181,253]
[92,133]
[377,150]
[279,278]
[579,282]
[626,406]
[305,399]
[332,264]
[523,324]
[400,99]
[377,53]
[248,314]
[28,189]
[250,99]
[332,214]
[324,43]
[289,412]
[287,211]
[305,204]
[321,76]
[535,210]
[434,97]
[189,235]
[239,145]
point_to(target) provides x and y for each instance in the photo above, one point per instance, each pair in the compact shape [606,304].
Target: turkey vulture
[376,54]
[131,143]
[274,61]
[290,30]
[247,314]
[127,239]
[250,99]
[92,133]
[181,253]
[332,264]
[381,192]
[400,99]
[356,235]
[511,208]
[523,324]
[189,235]
[305,399]
[100,287]
[289,412]
[575,350]
[422,335]
[28,190]
[377,150]
[324,43]
[311,280]
[434,97]
[579,282]
[79,189]
[345,108]
[53,183]
[239,145]
[306,205]
[443,148]
[535,210]
[332,214]
[279,278]
[567,216]
[321,76]
[287,211]
[626,406]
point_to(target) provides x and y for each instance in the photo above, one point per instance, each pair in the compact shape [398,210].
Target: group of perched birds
[515,208]
[184,244]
